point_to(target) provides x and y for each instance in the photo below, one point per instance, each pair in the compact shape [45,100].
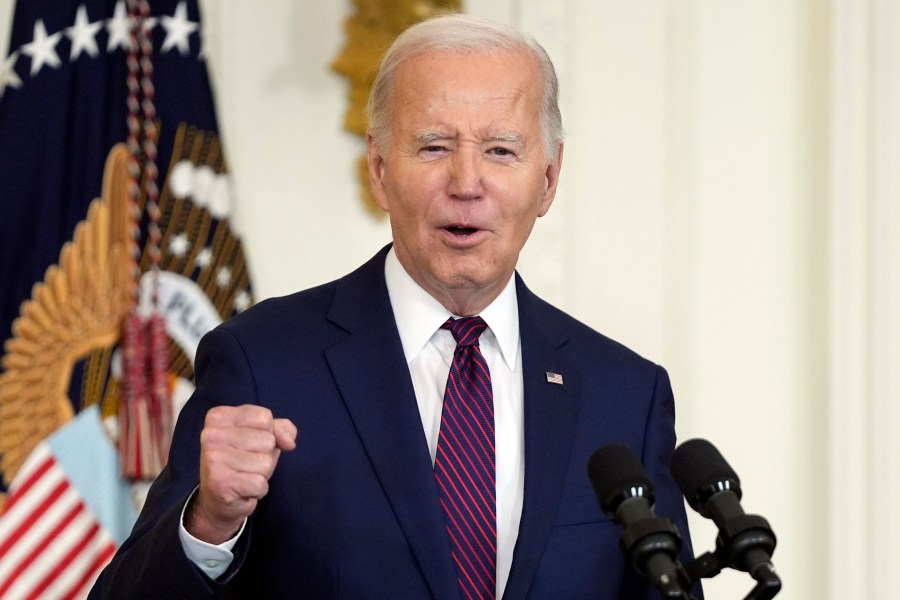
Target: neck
[465,304]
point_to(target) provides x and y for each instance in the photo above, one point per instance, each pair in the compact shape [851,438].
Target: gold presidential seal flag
[116,216]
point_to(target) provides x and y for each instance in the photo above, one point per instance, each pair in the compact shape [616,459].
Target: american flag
[52,541]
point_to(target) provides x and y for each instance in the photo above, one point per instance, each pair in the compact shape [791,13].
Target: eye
[501,152]
[433,151]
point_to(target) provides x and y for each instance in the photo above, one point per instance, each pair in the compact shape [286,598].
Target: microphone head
[700,471]
[617,475]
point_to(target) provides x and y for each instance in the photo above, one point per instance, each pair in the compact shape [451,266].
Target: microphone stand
[651,545]
[641,545]
[745,542]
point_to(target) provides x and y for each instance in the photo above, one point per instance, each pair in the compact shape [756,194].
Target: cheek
[521,222]
[413,191]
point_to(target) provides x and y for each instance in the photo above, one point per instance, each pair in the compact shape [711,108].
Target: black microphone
[712,488]
[649,543]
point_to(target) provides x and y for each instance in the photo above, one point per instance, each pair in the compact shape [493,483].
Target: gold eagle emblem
[79,306]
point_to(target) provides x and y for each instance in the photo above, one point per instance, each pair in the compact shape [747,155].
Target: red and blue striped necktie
[464,467]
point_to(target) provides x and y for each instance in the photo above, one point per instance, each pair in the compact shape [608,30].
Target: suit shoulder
[313,306]
[301,306]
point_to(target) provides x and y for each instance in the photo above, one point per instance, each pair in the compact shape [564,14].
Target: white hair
[462,34]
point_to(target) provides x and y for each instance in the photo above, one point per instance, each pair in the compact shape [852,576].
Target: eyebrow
[428,136]
[509,137]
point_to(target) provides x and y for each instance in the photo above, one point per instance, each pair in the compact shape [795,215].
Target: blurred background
[729,208]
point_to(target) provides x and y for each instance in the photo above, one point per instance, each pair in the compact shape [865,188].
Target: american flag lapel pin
[554,378]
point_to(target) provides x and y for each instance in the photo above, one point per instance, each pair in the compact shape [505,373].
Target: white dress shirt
[429,353]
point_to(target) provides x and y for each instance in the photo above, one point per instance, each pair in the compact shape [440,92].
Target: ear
[551,181]
[376,172]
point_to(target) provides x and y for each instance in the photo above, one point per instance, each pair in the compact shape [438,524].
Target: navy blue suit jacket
[353,512]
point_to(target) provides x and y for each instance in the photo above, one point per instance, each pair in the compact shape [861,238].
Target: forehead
[438,85]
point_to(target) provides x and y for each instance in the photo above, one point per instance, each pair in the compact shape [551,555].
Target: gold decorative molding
[370,30]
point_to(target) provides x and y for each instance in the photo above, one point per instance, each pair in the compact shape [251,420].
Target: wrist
[201,525]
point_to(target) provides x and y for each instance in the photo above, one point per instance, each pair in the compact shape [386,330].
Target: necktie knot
[465,330]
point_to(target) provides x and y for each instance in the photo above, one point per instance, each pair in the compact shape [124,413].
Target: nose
[465,176]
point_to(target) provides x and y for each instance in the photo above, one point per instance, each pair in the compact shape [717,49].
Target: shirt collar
[418,314]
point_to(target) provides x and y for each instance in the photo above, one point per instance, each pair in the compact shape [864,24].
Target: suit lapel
[372,375]
[371,372]
[550,419]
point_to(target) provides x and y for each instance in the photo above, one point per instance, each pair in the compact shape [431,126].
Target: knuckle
[264,418]
[213,456]
[261,486]
[216,415]
[269,464]
[208,437]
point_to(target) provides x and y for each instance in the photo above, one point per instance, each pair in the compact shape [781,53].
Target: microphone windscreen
[612,469]
[696,465]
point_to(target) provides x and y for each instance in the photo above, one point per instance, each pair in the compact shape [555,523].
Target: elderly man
[445,413]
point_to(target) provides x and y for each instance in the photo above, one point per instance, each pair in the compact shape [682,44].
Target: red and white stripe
[51,543]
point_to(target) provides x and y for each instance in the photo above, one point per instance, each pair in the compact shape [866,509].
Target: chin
[465,273]
[468,281]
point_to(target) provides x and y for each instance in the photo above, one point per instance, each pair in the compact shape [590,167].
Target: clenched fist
[239,448]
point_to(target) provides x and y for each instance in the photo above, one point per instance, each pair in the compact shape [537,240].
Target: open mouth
[461,230]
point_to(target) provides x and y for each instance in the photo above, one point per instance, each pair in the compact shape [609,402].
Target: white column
[864,323]
[746,260]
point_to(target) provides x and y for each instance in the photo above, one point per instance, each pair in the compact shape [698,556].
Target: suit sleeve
[151,563]
[659,442]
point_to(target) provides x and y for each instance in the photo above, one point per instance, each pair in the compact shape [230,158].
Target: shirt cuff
[212,559]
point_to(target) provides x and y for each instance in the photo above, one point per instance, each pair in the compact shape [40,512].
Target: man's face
[464,175]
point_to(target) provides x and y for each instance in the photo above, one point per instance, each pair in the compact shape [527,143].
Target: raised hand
[239,449]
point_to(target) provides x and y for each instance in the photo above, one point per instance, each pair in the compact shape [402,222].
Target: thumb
[285,434]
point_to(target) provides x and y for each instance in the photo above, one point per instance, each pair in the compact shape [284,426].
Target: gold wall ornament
[370,30]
